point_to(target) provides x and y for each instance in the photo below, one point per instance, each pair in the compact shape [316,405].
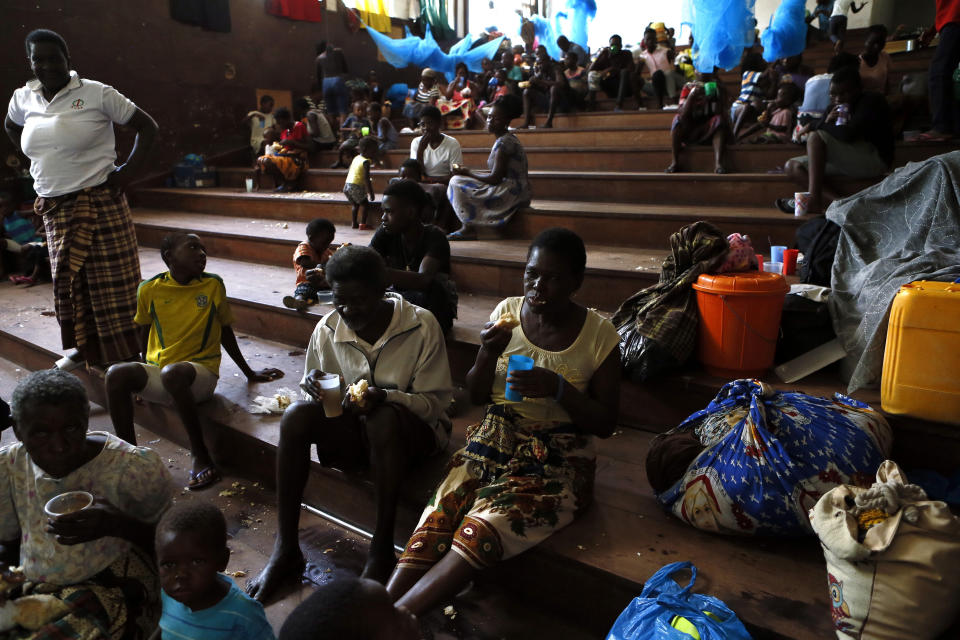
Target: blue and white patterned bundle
[769,457]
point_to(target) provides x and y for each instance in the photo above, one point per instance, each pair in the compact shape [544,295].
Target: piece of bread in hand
[506,321]
[11,578]
[358,391]
[35,611]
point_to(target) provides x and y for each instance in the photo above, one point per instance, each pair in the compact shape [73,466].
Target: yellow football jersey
[185,319]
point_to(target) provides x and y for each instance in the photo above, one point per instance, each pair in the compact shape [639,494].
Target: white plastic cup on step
[801,202]
[249,184]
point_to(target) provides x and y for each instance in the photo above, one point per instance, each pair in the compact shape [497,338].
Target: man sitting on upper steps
[854,139]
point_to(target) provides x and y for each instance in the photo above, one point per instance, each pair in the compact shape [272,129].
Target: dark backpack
[817,241]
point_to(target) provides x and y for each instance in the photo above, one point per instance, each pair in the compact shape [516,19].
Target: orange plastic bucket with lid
[739,321]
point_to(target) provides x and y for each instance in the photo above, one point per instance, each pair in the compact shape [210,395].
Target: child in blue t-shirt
[19,236]
[199,601]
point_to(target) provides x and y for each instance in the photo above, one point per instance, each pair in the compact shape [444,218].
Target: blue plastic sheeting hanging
[425,52]
[397,94]
[571,22]
[577,14]
[721,30]
[787,33]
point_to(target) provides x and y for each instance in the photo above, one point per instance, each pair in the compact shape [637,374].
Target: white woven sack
[903,580]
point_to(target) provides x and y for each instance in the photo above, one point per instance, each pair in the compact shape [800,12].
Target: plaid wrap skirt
[96,271]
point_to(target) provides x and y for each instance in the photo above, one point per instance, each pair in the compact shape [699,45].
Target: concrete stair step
[480,267]
[755,158]
[750,189]
[606,118]
[635,226]
[616,136]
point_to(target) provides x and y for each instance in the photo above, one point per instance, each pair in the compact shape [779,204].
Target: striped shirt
[748,87]
[236,617]
[20,229]
[427,96]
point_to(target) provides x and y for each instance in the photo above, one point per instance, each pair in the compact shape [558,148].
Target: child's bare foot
[281,568]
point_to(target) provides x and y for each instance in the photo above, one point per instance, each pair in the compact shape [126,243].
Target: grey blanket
[903,229]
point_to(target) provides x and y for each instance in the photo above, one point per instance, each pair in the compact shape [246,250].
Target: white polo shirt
[437,161]
[69,140]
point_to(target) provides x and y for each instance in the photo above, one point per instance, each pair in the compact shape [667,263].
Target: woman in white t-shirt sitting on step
[437,153]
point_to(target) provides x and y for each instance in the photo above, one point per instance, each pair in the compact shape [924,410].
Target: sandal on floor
[462,235]
[785,205]
[203,478]
[291,302]
[68,362]
[18,279]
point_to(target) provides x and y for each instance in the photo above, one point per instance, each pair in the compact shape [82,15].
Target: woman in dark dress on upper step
[489,199]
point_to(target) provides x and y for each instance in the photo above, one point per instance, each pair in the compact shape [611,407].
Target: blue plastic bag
[649,616]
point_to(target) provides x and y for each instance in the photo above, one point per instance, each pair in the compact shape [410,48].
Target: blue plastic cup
[516,363]
[776,253]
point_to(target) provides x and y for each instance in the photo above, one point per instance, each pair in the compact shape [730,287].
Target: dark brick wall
[174,71]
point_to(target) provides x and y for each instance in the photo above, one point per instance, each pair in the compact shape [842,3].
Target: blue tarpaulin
[571,22]
[721,30]
[787,33]
[425,52]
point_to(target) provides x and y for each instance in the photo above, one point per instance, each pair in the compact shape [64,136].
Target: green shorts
[851,159]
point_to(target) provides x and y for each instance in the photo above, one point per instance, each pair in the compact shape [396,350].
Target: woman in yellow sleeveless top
[527,468]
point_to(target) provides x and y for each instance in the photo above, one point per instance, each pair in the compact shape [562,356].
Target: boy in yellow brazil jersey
[184,318]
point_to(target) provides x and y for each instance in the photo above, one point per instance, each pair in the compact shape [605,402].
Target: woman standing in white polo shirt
[64,124]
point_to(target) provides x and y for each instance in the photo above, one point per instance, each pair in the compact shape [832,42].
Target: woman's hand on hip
[119,179]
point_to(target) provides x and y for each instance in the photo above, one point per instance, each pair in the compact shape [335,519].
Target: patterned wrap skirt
[510,488]
[120,602]
[290,166]
[96,271]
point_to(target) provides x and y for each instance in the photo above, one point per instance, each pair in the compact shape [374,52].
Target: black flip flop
[212,477]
